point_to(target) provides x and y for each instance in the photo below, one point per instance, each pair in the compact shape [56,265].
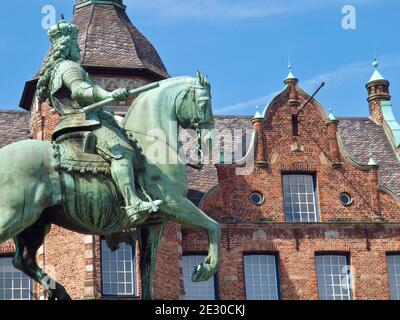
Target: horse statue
[37,189]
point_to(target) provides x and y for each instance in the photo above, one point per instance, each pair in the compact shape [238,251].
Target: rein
[167,144]
[198,125]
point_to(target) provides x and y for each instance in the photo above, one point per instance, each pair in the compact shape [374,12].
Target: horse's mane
[171,81]
[164,84]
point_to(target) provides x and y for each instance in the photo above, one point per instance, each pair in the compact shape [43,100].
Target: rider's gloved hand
[120,94]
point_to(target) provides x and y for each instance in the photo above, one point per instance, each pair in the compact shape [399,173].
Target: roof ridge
[86,33]
[13,111]
[231,116]
[353,118]
[140,42]
[130,33]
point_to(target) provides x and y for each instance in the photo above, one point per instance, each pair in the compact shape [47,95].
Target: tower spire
[376,75]
[378,91]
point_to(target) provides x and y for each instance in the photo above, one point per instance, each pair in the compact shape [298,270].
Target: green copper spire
[376,75]
[331,116]
[371,161]
[258,114]
[394,126]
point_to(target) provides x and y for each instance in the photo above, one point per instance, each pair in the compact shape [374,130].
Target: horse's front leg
[188,215]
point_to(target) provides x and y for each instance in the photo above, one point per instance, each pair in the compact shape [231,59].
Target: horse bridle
[199,124]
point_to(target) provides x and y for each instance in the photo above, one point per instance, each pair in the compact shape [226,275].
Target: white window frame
[14,277]
[118,280]
[300,203]
[393,265]
[255,267]
[334,280]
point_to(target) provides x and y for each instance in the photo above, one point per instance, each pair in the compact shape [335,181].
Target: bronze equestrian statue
[68,88]
[98,176]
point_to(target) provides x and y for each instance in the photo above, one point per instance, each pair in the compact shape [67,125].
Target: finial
[371,161]
[62,16]
[331,116]
[376,75]
[375,64]
[290,67]
[258,114]
[221,157]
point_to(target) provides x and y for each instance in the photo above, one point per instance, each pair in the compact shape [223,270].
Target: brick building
[318,209]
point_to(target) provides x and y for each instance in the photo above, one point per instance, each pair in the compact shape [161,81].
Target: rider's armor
[111,141]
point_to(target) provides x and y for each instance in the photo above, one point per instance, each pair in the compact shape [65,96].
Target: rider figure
[68,88]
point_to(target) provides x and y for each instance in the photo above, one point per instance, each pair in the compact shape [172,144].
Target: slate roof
[362,137]
[14,126]
[108,38]
[199,182]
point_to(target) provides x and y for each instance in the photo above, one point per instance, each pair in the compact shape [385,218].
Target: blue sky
[242,45]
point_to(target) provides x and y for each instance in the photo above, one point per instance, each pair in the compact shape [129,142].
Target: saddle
[76,152]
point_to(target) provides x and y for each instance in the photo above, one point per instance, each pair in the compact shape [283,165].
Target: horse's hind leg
[188,215]
[149,240]
[27,243]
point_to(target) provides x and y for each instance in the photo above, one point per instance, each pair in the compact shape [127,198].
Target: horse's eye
[203,104]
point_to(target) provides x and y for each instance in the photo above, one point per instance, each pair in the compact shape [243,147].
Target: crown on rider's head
[62,28]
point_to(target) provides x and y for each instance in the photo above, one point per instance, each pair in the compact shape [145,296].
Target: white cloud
[362,69]
[247,105]
[176,10]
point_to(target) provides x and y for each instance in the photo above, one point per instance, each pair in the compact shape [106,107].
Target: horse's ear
[200,77]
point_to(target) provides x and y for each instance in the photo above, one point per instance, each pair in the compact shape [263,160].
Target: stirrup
[139,208]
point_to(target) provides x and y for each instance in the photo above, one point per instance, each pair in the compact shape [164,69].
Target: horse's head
[194,111]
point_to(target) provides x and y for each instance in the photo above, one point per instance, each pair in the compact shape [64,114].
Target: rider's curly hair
[58,52]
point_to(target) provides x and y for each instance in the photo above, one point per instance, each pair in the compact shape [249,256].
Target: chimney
[378,91]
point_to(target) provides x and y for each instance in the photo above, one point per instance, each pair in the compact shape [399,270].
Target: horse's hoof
[203,272]
[58,294]
[64,296]
[51,294]
[157,204]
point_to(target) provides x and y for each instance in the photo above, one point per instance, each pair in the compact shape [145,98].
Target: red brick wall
[65,254]
[168,281]
[318,158]
[350,230]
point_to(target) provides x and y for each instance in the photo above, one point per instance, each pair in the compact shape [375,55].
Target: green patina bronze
[98,176]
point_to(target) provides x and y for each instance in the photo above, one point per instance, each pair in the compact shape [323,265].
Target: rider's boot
[136,208]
